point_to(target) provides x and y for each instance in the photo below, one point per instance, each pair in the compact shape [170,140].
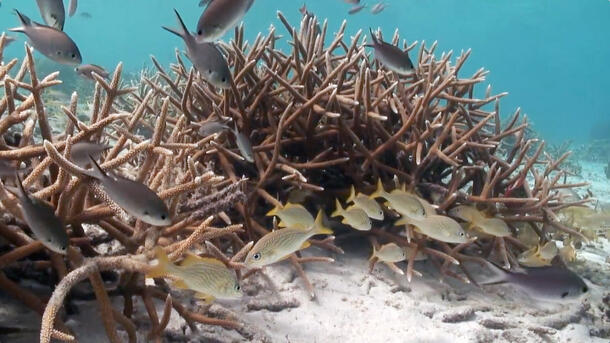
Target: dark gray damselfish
[52,12]
[43,222]
[85,70]
[206,57]
[552,283]
[211,127]
[244,145]
[52,43]
[219,17]
[82,150]
[391,56]
[134,197]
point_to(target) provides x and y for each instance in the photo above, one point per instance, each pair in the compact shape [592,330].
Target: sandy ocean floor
[353,305]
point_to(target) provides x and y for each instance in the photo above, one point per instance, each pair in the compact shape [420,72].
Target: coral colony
[317,121]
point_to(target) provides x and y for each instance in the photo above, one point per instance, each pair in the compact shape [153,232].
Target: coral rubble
[321,118]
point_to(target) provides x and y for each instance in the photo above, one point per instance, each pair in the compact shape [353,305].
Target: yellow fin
[318,225]
[352,195]
[374,253]
[338,209]
[402,221]
[305,245]
[160,269]
[379,192]
[180,284]
[205,297]
[274,211]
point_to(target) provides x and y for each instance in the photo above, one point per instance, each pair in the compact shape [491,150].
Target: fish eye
[461,234]
[257,256]
[209,71]
[585,289]
[59,53]
[564,294]
[73,55]
[200,32]
[163,216]
[237,287]
[224,79]
[49,240]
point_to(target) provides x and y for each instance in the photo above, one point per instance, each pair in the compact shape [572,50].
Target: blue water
[550,55]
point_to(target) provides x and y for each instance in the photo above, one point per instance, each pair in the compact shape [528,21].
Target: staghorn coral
[321,118]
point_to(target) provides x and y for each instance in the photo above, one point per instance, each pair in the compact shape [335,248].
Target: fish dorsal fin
[192,259]
[100,173]
[21,191]
[293,205]
[352,194]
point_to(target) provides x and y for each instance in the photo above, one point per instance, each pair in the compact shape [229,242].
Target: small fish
[390,252]
[211,127]
[538,256]
[72,7]
[391,56]
[370,206]
[8,170]
[279,244]
[209,277]
[568,252]
[244,145]
[353,216]
[81,151]
[293,215]
[86,15]
[404,203]
[206,57]
[548,251]
[53,13]
[133,197]
[378,7]
[526,234]
[86,71]
[43,222]
[439,227]
[50,42]
[356,9]
[491,226]
[553,283]
[303,10]
[220,16]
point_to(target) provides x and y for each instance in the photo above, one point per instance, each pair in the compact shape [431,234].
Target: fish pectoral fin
[180,284]
[305,245]
[205,297]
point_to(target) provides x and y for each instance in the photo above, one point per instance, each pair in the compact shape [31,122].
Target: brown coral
[321,118]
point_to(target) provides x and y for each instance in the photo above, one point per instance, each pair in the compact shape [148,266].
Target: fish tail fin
[25,22]
[379,192]
[501,275]
[184,32]
[402,221]
[274,211]
[374,253]
[373,37]
[303,9]
[160,269]
[318,225]
[98,172]
[22,192]
[338,209]
[352,195]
